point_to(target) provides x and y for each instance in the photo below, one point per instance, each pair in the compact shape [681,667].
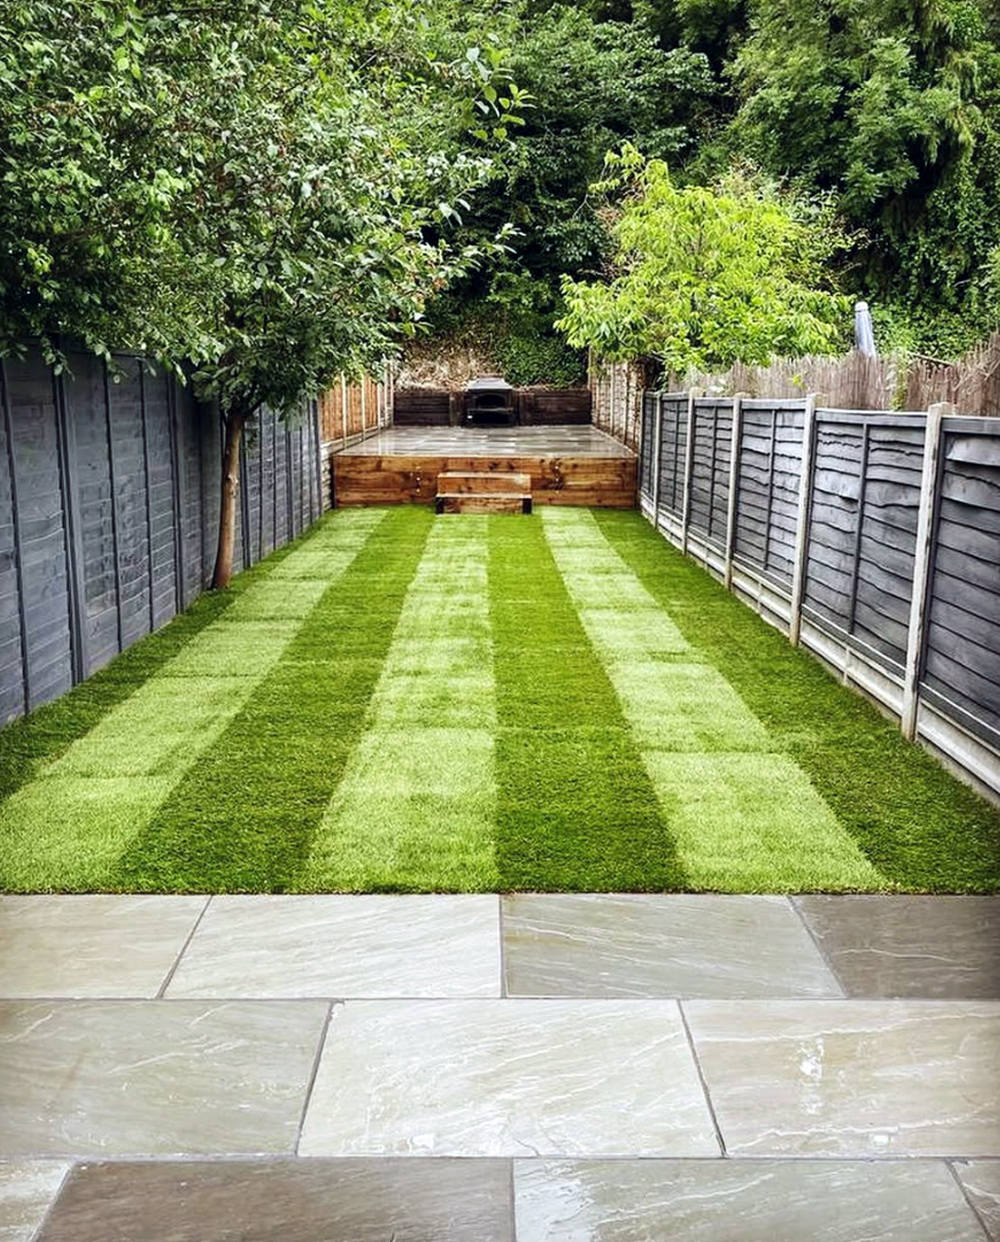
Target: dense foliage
[705,277]
[887,111]
[249,187]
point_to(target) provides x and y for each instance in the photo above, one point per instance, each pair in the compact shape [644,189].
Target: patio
[572,1066]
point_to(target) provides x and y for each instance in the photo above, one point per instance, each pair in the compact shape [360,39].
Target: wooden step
[488,502]
[480,482]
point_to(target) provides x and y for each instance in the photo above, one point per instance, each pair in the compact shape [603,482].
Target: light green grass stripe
[72,822]
[744,818]
[416,807]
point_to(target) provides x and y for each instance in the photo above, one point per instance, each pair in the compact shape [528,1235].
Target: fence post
[734,487]
[657,459]
[922,568]
[688,468]
[343,408]
[364,404]
[69,492]
[802,525]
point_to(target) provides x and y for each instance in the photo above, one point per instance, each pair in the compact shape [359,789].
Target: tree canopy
[707,276]
[886,112]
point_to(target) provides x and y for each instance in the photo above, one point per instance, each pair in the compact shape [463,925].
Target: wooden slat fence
[873,539]
[350,411]
[109,500]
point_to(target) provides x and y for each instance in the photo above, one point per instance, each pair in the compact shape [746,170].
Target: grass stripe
[923,829]
[576,808]
[242,820]
[415,809]
[73,821]
[742,821]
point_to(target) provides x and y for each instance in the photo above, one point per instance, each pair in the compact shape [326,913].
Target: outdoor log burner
[489,402]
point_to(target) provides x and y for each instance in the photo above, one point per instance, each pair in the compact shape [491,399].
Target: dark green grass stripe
[576,808]
[242,820]
[922,828]
[31,742]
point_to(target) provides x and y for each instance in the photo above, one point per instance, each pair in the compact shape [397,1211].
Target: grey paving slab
[27,1188]
[660,946]
[154,1077]
[286,1200]
[344,946]
[852,1078]
[509,1077]
[905,946]
[981,1181]
[91,946]
[740,1201]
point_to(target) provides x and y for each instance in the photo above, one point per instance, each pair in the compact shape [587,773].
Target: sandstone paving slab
[27,1188]
[285,1201]
[507,1077]
[344,946]
[154,1077]
[852,1078]
[910,946]
[981,1182]
[91,945]
[740,1201]
[685,945]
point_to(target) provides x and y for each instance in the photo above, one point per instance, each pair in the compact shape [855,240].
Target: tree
[895,108]
[250,188]
[592,84]
[705,277]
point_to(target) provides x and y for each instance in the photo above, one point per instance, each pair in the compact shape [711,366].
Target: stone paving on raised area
[571,1068]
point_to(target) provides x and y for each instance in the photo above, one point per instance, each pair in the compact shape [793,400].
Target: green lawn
[400,702]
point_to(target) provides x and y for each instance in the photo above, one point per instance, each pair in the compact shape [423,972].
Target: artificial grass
[400,702]
[921,828]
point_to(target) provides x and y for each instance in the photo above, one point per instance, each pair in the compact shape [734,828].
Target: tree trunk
[235,422]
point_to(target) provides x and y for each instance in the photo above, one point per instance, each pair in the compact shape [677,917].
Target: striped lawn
[407,703]
[416,805]
[740,811]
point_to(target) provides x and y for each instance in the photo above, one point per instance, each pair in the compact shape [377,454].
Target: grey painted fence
[109,496]
[872,539]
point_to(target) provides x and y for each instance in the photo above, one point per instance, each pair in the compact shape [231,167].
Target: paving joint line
[950,1165]
[792,900]
[161,992]
[311,1083]
[709,1104]
[50,1206]
[501,932]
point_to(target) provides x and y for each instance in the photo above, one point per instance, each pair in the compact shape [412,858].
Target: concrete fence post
[734,487]
[802,522]
[920,600]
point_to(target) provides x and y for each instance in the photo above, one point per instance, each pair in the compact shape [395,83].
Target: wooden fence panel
[768,488]
[98,502]
[962,645]
[109,492]
[40,519]
[673,447]
[650,413]
[709,496]
[932,656]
